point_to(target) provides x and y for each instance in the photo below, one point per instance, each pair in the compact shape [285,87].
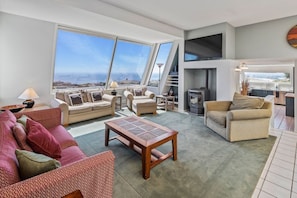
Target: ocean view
[85,78]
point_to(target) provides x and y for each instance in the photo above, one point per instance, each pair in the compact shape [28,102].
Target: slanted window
[85,59]
[159,65]
[130,60]
[82,60]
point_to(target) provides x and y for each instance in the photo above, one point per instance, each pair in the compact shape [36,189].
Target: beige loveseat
[244,118]
[83,105]
[137,93]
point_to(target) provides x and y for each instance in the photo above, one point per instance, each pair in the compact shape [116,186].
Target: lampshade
[113,84]
[28,94]
[160,64]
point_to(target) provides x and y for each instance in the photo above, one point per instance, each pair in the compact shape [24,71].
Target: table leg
[174,147]
[106,135]
[146,162]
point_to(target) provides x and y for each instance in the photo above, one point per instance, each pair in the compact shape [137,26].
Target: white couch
[86,110]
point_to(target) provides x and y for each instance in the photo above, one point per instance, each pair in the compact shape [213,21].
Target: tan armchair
[132,94]
[239,124]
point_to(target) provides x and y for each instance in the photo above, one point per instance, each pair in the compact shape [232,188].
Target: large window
[269,80]
[130,60]
[84,60]
[159,65]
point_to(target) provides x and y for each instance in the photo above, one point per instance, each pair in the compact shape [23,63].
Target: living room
[28,37]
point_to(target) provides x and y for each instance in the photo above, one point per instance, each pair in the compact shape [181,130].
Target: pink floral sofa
[92,176]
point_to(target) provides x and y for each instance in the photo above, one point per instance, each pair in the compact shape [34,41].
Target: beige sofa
[236,121]
[137,93]
[83,105]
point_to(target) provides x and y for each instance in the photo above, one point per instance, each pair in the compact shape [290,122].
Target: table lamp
[28,95]
[113,85]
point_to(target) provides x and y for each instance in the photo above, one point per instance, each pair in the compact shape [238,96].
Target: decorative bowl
[13,108]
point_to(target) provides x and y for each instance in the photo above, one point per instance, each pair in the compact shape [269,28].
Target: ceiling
[192,14]
[152,21]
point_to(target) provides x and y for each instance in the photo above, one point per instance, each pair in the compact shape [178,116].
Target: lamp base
[113,92]
[29,103]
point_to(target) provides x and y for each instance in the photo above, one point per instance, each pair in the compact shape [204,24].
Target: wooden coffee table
[143,136]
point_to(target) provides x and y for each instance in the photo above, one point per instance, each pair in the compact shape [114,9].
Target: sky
[81,53]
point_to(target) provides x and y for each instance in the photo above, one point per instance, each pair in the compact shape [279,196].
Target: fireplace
[196,98]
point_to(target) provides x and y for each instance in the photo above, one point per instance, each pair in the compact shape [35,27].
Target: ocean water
[83,78]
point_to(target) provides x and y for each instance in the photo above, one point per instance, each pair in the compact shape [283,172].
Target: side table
[165,102]
[36,107]
[119,97]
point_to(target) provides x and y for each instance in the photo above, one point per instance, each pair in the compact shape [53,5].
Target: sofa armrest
[93,176]
[248,114]
[128,95]
[216,105]
[49,118]
[64,108]
[108,97]
[150,94]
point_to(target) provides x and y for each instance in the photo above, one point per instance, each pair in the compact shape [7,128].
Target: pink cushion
[41,141]
[8,162]
[8,117]
[63,137]
[71,154]
[21,136]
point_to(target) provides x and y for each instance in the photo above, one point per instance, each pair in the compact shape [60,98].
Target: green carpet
[208,166]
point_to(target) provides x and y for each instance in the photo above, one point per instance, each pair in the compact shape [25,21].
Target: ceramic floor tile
[279,180]
[284,164]
[285,158]
[294,195]
[285,152]
[281,171]
[287,147]
[263,194]
[294,188]
[275,190]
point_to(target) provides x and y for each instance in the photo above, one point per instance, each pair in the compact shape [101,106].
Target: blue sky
[85,53]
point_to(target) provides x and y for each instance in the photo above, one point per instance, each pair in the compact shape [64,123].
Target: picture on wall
[292,37]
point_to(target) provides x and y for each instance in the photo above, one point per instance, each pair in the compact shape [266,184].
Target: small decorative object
[28,95]
[244,87]
[292,36]
[113,85]
[13,108]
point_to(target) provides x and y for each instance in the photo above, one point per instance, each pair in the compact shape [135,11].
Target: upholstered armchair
[137,93]
[244,118]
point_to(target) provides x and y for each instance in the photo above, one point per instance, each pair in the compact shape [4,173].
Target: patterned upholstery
[93,175]
[83,175]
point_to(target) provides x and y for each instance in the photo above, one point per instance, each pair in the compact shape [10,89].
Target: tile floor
[279,177]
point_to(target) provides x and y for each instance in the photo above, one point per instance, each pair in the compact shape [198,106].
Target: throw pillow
[75,99]
[8,117]
[32,164]
[41,140]
[21,136]
[137,92]
[23,120]
[96,96]
[246,102]
[66,96]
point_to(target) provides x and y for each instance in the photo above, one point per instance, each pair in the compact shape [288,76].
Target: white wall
[226,77]
[265,40]
[26,58]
